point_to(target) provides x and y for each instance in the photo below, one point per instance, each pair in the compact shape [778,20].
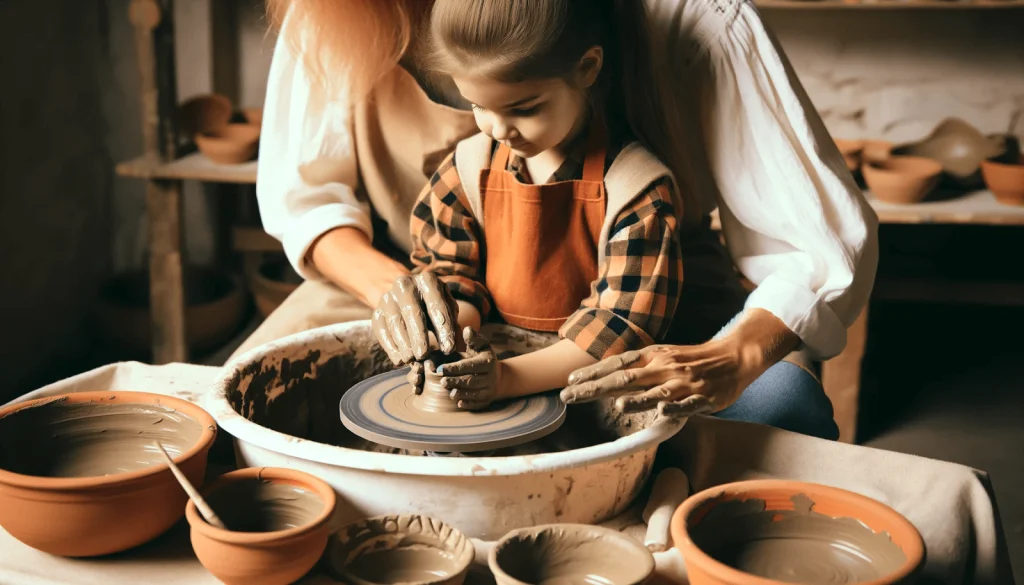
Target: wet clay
[434,398]
[58,439]
[570,554]
[795,546]
[258,505]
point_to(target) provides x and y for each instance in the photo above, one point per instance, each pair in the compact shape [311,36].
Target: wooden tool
[201,504]
[670,488]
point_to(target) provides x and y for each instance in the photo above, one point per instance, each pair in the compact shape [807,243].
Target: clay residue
[795,546]
[573,555]
[258,505]
[62,439]
[434,398]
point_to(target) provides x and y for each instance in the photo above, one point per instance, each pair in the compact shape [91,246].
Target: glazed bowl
[80,475]
[272,281]
[569,553]
[1006,181]
[852,151]
[765,532]
[204,113]
[409,549]
[902,179]
[277,523]
[230,144]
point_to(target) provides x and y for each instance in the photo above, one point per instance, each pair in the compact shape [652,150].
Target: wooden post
[841,378]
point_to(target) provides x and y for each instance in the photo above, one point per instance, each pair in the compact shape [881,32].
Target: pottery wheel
[382,409]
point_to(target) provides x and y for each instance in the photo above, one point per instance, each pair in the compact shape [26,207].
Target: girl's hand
[684,380]
[474,380]
[400,319]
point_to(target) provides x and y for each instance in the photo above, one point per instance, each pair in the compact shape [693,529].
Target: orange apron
[541,240]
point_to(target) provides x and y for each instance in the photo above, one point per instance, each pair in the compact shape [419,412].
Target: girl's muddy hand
[473,380]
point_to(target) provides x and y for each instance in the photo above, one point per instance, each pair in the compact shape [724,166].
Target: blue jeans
[786,397]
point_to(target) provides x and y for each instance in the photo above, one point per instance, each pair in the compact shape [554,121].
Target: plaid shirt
[638,286]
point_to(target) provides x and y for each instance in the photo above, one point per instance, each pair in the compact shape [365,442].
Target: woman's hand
[475,380]
[400,319]
[684,380]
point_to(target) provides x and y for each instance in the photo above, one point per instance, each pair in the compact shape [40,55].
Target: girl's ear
[589,66]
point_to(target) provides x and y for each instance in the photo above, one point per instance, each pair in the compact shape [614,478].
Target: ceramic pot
[959,148]
[253,116]
[794,531]
[569,553]
[230,144]
[215,307]
[272,282]
[852,151]
[1006,181]
[71,488]
[902,179]
[205,113]
[409,549]
[253,557]
[876,150]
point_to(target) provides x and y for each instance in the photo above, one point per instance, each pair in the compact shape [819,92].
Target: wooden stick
[200,503]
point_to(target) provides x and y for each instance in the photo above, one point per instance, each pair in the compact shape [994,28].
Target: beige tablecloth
[953,506]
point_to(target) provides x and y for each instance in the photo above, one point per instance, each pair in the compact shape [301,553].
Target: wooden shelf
[978,208]
[194,167]
[888,4]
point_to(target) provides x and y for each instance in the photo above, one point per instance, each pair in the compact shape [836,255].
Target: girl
[558,217]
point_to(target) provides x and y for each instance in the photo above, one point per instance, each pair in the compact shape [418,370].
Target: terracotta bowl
[876,150]
[852,151]
[1006,181]
[215,307]
[902,179]
[570,553]
[272,282]
[253,116]
[765,532]
[231,144]
[80,476]
[408,549]
[960,148]
[277,520]
[205,113]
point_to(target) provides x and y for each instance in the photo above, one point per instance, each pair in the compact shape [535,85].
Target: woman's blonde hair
[514,40]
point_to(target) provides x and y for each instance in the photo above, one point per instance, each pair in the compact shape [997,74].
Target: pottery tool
[670,488]
[384,409]
[201,504]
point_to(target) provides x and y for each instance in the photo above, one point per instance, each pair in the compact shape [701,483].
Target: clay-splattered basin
[278,526]
[902,179]
[569,553]
[409,549]
[280,404]
[1006,181]
[79,475]
[766,532]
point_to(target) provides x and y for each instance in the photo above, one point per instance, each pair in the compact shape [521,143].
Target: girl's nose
[502,131]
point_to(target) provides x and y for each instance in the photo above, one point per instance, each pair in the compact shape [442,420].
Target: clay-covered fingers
[673,389]
[382,331]
[692,405]
[441,308]
[415,375]
[616,383]
[406,296]
[605,367]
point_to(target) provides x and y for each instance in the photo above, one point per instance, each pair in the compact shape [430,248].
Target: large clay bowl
[204,113]
[902,179]
[959,147]
[272,282]
[80,475]
[215,306]
[569,553]
[852,151]
[765,532]
[277,521]
[409,549]
[1006,181]
[230,144]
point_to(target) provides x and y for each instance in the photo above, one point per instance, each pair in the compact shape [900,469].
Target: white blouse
[795,222]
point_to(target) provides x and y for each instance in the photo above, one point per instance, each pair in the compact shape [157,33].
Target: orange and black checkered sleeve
[446,237]
[632,302]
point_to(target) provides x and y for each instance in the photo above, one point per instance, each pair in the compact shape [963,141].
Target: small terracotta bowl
[569,553]
[277,520]
[408,549]
[902,179]
[253,116]
[1006,181]
[231,144]
[852,151]
[204,113]
[80,475]
[766,532]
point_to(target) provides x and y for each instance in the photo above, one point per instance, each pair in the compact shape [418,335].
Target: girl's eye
[524,112]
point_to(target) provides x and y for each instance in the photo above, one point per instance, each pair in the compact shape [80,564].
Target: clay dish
[569,553]
[231,144]
[852,151]
[205,113]
[902,179]
[80,475]
[766,532]
[277,525]
[1006,181]
[876,150]
[253,116]
[408,549]
[272,282]
[959,147]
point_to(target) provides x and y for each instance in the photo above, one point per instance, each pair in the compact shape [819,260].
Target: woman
[349,140]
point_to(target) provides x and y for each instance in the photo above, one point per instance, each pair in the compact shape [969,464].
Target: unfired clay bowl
[569,553]
[205,113]
[766,532]
[1006,181]
[852,151]
[959,147]
[230,144]
[277,523]
[80,475]
[902,179]
[410,549]
[272,282]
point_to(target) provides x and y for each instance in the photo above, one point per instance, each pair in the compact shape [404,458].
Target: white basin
[280,403]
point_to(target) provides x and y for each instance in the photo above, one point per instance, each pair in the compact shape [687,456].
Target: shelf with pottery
[193,167]
[888,4]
